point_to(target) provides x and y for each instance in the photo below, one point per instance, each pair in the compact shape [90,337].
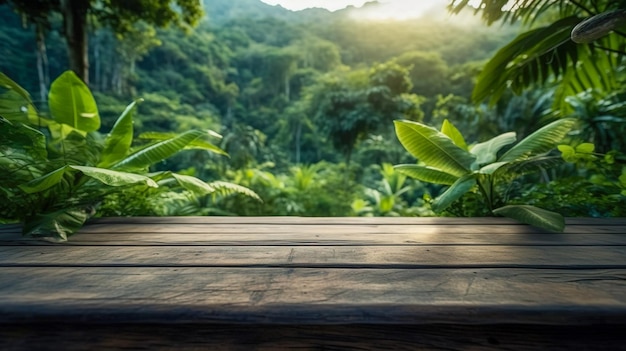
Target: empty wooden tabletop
[303,278]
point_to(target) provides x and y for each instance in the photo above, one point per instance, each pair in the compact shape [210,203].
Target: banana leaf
[118,141]
[542,140]
[143,158]
[105,176]
[487,152]
[433,148]
[453,133]
[196,144]
[454,192]
[55,225]
[534,216]
[426,174]
[71,102]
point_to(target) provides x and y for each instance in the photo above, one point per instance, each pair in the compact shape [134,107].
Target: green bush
[56,171]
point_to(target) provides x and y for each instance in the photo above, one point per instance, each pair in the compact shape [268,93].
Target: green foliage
[286,88]
[603,118]
[390,196]
[444,159]
[547,55]
[56,182]
[348,106]
[322,189]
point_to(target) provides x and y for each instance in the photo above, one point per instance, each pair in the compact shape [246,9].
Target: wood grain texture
[307,295]
[338,238]
[445,221]
[267,283]
[380,257]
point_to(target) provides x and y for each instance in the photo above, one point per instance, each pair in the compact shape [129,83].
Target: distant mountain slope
[222,11]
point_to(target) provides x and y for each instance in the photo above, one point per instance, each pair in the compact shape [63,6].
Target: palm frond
[531,58]
[526,11]
[547,55]
[594,68]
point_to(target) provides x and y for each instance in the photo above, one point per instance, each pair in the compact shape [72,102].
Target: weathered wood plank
[179,228]
[151,337]
[318,256]
[312,296]
[325,238]
[345,229]
[292,220]
[281,220]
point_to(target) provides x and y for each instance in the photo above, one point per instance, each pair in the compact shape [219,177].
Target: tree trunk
[298,138]
[98,63]
[42,63]
[75,25]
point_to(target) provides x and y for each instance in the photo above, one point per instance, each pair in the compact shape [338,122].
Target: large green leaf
[534,216]
[44,182]
[14,108]
[487,152]
[143,158]
[71,103]
[226,188]
[527,166]
[454,192]
[15,102]
[199,187]
[21,138]
[193,184]
[106,176]
[453,133]
[542,140]
[433,148]
[115,178]
[56,225]
[118,141]
[8,83]
[196,144]
[426,174]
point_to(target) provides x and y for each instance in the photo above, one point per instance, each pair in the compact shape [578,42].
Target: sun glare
[399,10]
[331,5]
[385,9]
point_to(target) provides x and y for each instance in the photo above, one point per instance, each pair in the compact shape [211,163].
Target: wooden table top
[315,271]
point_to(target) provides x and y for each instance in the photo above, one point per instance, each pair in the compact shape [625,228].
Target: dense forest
[305,102]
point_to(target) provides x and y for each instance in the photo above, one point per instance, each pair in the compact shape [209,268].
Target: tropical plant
[602,117]
[57,170]
[386,197]
[574,45]
[445,158]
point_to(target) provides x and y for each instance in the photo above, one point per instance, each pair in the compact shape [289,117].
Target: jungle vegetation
[307,104]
